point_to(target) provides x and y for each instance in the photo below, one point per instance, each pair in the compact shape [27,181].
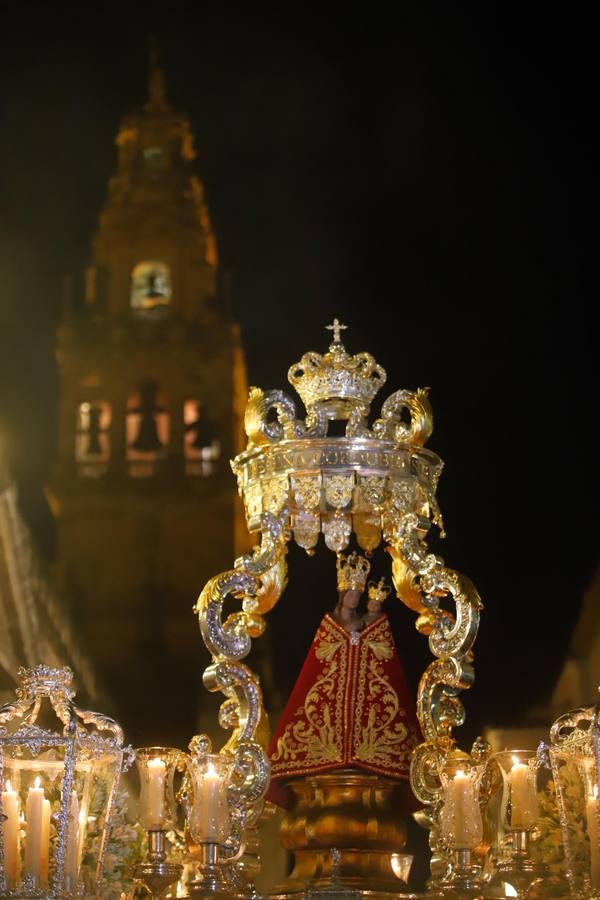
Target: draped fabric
[350,707]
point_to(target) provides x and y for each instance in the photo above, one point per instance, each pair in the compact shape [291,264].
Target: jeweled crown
[336,380]
[378,590]
[352,571]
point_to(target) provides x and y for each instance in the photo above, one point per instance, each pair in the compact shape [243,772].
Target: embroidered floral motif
[351,713]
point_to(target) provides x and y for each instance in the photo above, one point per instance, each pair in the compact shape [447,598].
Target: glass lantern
[157,767]
[157,815]
[208,818]
[518,816]
[575,759]
[461,821]
[59,769]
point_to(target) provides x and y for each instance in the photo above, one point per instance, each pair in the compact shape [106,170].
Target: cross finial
[336,326]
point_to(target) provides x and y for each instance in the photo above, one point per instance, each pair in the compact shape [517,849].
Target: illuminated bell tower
[152,384]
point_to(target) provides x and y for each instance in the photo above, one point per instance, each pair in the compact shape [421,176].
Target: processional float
[376,483]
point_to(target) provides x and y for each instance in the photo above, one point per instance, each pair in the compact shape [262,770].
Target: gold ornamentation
[421,418]
[336,531]
[336,380]
[307,491]
[378,590]
[307,528]
[338,490]
[367,527]
[370,492]
[352,572]
[275,493]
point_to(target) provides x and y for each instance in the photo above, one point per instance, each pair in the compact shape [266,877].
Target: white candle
[466,821]
[34,816]
[45,842]
[10,808]
[211,813]
[524,801]
[152,801]
[72,850]
[592,810]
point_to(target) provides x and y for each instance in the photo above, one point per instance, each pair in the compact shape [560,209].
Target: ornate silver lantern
[59,769]
[575,760]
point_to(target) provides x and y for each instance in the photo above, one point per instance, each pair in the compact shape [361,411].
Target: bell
[147,439]
[92,446]
[154,291]
[202,429]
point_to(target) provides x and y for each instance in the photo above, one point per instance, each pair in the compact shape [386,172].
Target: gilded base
[346,832]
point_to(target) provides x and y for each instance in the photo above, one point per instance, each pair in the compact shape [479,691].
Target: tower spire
[156,77]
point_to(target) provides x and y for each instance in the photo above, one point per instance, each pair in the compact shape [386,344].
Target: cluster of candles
[462,796]
[209,813]
[463,824]
[36,825]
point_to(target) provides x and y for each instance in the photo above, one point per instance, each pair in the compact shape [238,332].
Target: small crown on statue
[337,380]
[378,590]
[352,572]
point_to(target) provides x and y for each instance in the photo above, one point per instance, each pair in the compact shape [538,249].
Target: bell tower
[152,382]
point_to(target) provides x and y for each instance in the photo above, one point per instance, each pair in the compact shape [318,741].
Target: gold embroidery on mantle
[351,714]
[315,739]
[382,740]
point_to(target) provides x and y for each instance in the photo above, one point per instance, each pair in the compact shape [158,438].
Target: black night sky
[426,181]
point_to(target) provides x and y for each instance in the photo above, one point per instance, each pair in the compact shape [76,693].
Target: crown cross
[336,326]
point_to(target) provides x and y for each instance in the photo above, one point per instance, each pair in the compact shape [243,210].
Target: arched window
[150,289]
[201,446]
[92,438]
[147,430]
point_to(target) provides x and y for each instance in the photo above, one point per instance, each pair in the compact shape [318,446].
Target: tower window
[150,289]
[147,430]
[92,439]
[154,157]
[201,446]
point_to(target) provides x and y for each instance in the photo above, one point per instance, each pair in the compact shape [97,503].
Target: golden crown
[352,572]
[378,590]
[337,380]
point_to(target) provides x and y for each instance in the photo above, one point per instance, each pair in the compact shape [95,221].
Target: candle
[211,812]
[592,810]
[524,801]
[45,842]
[10,808]
[152,800]
[34,818]
[466,825]
[72,851]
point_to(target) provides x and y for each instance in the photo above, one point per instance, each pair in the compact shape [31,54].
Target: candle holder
[461,824]
[61,780]
[519,813]
[209,823]
[157,814]
[575,759]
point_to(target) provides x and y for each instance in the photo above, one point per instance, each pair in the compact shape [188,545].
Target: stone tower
[152,382]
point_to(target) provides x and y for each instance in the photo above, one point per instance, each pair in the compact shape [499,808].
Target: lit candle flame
[8,786]
[210,769]
[460,774]
[38,782]
[156,763]
[516,761]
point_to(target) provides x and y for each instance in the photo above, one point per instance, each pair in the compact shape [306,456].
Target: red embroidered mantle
[350,707]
